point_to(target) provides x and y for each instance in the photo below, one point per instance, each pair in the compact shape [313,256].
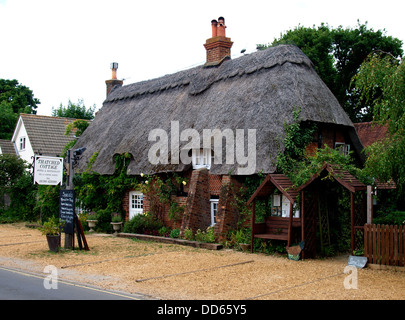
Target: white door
[135,203]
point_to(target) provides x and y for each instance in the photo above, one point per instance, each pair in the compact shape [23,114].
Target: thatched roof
[256,91]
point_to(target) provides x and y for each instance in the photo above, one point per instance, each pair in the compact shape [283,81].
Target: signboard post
[48,170]
[72,158]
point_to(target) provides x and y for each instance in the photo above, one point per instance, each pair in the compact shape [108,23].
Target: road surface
[22,285]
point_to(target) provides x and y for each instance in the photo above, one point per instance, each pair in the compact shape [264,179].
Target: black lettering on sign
[67,209]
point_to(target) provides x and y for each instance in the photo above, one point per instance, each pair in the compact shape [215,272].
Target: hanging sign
[48,170]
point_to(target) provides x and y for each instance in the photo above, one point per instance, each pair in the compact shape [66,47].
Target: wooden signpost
[72,217]
[49,171]
[72,222]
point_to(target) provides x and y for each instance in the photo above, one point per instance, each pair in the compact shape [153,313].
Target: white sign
[48,170]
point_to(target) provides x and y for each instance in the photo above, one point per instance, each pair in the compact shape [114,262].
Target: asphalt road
[21,285]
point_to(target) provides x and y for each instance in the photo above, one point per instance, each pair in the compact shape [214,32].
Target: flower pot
[244,246]
[116,226]
[92,224]
[53,242]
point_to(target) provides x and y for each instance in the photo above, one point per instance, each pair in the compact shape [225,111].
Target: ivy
[160,190]
[104,193]
[297,136]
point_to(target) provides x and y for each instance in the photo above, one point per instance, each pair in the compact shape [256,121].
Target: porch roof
[346,179]
[278,181]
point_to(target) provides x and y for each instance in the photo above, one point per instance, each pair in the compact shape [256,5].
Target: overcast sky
[62,50]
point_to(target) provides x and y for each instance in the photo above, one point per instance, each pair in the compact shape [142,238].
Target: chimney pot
[221,27]
[114,81]
[214,25]
[114,67]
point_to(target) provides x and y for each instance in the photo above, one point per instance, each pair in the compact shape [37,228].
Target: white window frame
[214,211]
[201,158]
[22,143]
[135,203]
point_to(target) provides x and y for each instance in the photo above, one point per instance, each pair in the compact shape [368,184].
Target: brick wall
[201,187]
[197,211]
[227,215]
[328,136]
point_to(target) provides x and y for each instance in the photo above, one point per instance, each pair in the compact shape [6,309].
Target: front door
[135,203]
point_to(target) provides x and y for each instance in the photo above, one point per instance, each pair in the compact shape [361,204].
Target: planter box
[195,244]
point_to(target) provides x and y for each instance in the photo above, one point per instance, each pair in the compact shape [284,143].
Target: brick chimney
[114,81]
[218,46]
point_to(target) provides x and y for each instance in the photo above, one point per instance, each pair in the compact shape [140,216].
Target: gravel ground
[173,272]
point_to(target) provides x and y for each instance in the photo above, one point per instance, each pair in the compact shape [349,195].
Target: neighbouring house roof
[46,134]
[6,147]
[256,91]
[369,133]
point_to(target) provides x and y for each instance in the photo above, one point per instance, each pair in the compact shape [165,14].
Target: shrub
[164,231]
[175,233]
[393,217]
[188,234]
[143,223]
[205,236]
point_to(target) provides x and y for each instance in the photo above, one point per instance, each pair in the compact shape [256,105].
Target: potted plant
[242,237]
[52,229]
[92,220]
[116,222]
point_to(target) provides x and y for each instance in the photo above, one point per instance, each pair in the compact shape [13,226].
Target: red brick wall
[329,135]
[228,214]
[215,182]
[197,212]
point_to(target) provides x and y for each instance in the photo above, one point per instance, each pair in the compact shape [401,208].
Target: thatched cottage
[162,124]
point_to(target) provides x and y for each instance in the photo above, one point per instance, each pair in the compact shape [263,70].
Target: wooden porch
[304,228]
[274,227]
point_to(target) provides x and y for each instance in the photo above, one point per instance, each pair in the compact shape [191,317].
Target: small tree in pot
[52,229]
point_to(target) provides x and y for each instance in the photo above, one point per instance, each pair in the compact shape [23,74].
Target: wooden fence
[384,244]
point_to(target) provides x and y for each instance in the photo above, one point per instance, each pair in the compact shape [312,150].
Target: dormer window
[22,143]
[201,158]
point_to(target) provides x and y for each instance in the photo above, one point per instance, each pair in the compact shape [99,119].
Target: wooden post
[369,204]
[290,225]
[252,224]
[352,221]
[69,238]
[302,211]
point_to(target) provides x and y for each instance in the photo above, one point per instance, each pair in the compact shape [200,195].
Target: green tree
[74,110]
[16,181]
[381,83]
[337,54]
[14,99]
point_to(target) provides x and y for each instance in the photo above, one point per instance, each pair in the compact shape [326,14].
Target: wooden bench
[274,228]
